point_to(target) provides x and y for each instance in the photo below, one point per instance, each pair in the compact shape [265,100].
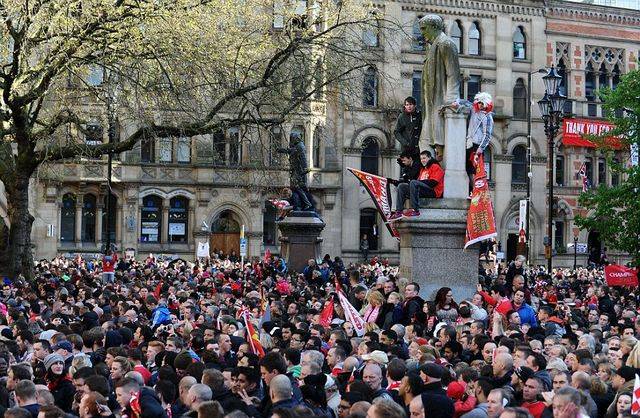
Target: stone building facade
[176,192]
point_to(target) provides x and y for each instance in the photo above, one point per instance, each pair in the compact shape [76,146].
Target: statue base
[300,238]
[431,249]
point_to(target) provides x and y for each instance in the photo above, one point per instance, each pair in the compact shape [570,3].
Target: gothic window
[235,146]
[88,218]
[559,235]
[275,142]
[318,135]
[219,145]
[564,85]
[370,155]
[560,170]
[183,150]
[473,86]
[370,88]
[519,165]
[520,100]
[150,219]
[418,39]
[178,219]
[371,34]
[147,150]
[519,44]
[602,171]
[474,39]
[166,149]
[112,218]
[456,35]
[68,218]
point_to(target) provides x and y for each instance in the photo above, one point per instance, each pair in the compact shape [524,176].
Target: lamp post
[551,107]
[111,103]
[575,252]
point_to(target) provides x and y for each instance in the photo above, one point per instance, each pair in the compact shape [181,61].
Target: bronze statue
[440,81]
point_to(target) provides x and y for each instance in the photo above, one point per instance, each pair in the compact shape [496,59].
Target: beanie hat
[455,390]
[182,361]
[51,359]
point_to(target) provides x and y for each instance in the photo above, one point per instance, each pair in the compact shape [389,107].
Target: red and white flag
[481,223]
[351,314]
[326,316]
[635,404]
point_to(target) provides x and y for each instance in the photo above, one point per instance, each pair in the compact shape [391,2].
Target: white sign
[523,215]
[581,248]
[176,229]
[203,249]
[243,247]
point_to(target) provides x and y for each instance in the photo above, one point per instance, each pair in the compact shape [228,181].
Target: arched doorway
[225,233]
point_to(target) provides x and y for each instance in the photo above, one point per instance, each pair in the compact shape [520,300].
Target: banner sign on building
[481,223]
[574,131]
[620,275]
[379,190]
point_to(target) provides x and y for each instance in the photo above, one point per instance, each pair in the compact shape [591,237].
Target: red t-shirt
[535,408]
[108,265]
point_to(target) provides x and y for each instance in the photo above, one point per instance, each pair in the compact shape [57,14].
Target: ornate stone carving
[563,53]
[316,179]
[148,172]
[93,170]
[185,174]
[69,170]
[117,172]
[610,57]
[167,174]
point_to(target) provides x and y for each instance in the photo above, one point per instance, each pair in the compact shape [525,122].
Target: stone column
[300,239]
[99,209]
[164,229]
[78,224]
[456,181]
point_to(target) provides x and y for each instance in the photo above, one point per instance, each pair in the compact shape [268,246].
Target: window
[473,86]
[370,34]
[560,170]
[275,142]
[519,44]
[559,236]
[219,146]
[370,88]
[166,150]
[369,227]
[615,175]
[418,38]
[456,35]
[235,146]
[590,90]
[369,156]
[89,218]
[602,171]
[147,151]
[588,163]
[178,219]
[520,100]
[318,135]
[183,150]
[474,39]
[519,165]
[94,133]
[416,88]
[68,218]
[269,224]
[564,86]
[150,219]
[112,218]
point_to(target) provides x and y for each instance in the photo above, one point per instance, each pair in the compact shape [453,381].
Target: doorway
[512,247]
[225,233]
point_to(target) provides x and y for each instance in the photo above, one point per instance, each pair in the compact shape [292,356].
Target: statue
[440,81]
[301,199]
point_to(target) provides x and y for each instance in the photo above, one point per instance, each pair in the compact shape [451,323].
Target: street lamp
[551,107]
[575,252]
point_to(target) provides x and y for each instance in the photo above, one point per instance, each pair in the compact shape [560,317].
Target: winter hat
[112,339]
[51,359]
[455,390]
[182,361]
[6,334]
[65,345]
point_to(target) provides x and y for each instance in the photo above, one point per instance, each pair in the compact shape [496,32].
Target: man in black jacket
[408,128]
[137,402]
[409,170]
[412,304]
[440,405]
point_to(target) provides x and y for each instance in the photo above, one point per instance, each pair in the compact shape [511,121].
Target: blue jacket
[527,315]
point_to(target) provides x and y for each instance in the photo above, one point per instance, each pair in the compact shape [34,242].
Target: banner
[582,173]
[351,315]
[523,228]
[380,192]
[326,316]
[481,224]
[574,131]
[252,336]
[203,249]
[620,275]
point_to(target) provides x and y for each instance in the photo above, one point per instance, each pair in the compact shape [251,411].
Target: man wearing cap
[65,349]
[440,405]
[622,381]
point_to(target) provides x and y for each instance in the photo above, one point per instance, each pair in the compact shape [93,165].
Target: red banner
[574,131]
[481,223]
[326,316]
[379,190]
[620,275]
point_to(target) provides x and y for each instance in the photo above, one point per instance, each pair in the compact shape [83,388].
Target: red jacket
[109,265]
[433,171]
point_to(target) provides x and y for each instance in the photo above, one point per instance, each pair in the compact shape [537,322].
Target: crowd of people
[168,339]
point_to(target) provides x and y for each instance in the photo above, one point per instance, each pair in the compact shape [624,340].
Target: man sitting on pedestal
[430,183]
[409,170]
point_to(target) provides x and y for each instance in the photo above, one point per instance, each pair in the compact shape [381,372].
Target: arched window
[371,34]
[178,219]
[418,39]
[519,44]
[226,223]
[474,39]
[318,135]
[89,218]
[519,100]
[369,157]
[369,226]
[112,219]
[456,35]
[68,218]
[370,87]
[519,165]
[151,219]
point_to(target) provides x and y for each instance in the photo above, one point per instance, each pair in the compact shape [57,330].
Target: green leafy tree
[162,69]
[615,211]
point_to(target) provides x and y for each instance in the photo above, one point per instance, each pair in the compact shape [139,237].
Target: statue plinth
[431,249]
[456,179]
[300,238]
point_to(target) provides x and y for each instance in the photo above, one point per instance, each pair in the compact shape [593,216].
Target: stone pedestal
[300,238]
[431,249]
[456,180]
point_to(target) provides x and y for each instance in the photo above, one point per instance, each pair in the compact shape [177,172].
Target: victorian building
[173,193]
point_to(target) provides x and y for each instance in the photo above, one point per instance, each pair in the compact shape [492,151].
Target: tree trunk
[19,252]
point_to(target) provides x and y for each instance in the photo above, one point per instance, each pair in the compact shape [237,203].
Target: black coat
[150,405]
[63,392]
[439,404]
[411,308]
